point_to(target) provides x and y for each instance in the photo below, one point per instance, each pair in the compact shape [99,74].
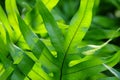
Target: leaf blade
[54,32]
[79,25]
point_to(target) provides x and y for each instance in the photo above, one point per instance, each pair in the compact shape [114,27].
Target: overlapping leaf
[56,57]
[12,17]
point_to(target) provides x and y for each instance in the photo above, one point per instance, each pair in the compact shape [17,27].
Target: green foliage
[39,42]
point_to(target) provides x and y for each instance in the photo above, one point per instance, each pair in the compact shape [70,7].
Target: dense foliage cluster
[59,40]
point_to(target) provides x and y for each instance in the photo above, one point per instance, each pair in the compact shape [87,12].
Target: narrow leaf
[4,21]
[7,73]
[12,12]
[113,71]
[54,32]
[36,45]
[16,53]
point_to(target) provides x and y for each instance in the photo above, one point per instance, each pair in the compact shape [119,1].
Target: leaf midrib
[71,42]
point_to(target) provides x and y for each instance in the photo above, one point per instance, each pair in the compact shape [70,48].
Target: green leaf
[54,32]
[95,48]
[81,69]
[24,62]
[4,21]
[2,33]
[113,60]
[7,73]
[50,3]
[17,75]
[16,52]
[3,47]
[12,12]
[36,73]
[36,45]
[82,65]
[6,62]
[48,61]
[19,58]
[113,71]
[33,17]
[7,66]
[48,49]
[78,28]
[79,25]
[20,70]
